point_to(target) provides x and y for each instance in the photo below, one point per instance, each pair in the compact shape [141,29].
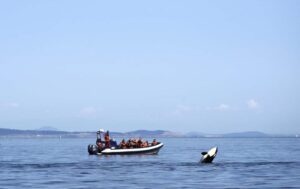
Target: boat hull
[146,150]
[128,151]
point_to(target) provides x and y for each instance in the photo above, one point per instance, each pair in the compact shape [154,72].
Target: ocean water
[65,163]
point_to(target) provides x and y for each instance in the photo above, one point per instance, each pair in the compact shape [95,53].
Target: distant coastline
[54,133]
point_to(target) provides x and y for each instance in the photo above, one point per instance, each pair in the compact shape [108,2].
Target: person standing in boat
[107,140]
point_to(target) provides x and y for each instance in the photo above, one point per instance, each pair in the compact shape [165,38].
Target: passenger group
[136,143]
[131,143]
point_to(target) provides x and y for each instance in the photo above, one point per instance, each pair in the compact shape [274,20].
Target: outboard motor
[208,157]
[92,149]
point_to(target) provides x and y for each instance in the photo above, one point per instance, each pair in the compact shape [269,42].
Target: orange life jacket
[106,138]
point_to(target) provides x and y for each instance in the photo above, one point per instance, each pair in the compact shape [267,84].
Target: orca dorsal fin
[203,153]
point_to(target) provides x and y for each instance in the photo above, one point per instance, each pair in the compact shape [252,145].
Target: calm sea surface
[65,163]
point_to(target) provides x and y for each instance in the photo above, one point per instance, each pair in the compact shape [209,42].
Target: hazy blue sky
[206,66]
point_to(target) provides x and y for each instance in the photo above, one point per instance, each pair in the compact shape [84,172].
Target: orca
[208,157]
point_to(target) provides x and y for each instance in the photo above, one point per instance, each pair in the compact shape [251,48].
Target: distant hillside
[155,133]
[47,128]
[46,132]
[228,135]
[146,132]
[11,132]
[195,134]
[54,133]
[250,134]
[138,133]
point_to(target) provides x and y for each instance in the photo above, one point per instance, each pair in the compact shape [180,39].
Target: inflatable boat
[110,146]
[94,150]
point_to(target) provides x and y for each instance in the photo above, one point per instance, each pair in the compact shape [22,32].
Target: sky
[206,66]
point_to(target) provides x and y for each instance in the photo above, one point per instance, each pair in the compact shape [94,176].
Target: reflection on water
[65,163]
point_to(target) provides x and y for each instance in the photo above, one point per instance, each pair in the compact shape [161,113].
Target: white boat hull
[146,150]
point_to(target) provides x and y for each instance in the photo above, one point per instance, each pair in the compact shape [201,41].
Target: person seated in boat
[140,143]
[136,143]
[128,143]
[107,140]
[145,144]
[99,143]
[123,144]
[133,143]
[154,142]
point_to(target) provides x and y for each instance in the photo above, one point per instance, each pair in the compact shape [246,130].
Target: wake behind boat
[132,146]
